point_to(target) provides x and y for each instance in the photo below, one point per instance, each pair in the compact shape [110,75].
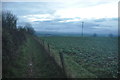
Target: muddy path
[40,64]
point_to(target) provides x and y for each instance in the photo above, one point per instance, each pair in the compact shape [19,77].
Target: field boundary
[64,62]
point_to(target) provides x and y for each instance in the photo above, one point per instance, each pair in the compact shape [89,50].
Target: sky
[99,16]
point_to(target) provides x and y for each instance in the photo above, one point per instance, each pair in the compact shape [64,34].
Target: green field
[43,66]
[98,55]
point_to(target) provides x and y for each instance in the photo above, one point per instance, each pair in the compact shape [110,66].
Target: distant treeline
[12,38]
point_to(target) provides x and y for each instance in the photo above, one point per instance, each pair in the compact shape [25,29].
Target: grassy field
[98,55]
[34,62]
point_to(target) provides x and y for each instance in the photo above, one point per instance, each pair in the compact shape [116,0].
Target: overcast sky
[99,16]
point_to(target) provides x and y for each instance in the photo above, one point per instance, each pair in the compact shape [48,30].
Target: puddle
[30,64]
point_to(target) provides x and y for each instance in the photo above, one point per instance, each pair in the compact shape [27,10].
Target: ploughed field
[98,55]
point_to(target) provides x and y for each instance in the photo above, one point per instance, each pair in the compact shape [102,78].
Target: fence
[58,57]
[69,67]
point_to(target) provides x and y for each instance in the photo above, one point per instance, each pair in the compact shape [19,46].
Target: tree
[94,35]
[110,35]
[8,20]
[29,29]
[12,38]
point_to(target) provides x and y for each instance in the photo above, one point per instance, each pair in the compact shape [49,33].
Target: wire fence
[64,62]
[57,56]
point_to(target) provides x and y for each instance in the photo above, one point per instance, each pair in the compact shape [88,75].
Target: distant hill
[42,33]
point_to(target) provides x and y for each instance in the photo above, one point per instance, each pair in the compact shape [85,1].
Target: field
[98,55]
[42,65]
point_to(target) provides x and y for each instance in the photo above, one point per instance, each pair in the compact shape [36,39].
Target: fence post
[48,48]
[43,42]
[40,41]
[62,61]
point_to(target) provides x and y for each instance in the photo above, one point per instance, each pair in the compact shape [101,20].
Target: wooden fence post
[40,41]
[43,42]
[62,61]
[48,48]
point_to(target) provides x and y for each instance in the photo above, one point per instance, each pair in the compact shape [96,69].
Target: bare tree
[29,28]
[9,20]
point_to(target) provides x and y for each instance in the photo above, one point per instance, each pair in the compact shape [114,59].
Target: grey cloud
[107,25]
[100,20]
[106,19]
[28,8]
